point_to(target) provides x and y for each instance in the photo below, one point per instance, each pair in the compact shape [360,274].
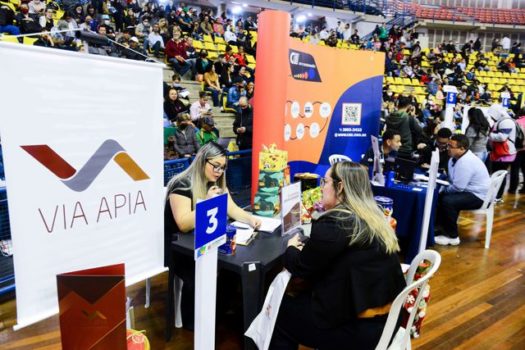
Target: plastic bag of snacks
[311,197]
[273,159]
[137,340]
[415,331]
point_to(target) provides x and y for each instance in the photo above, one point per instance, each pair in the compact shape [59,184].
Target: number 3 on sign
[213,222]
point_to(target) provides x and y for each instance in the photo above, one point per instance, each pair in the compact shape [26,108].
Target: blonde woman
[350,263]
[205,178]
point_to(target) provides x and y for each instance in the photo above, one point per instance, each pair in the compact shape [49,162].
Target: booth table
[251,263]
[409,207]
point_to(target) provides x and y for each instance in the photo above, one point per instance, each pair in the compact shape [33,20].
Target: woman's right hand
[213,191]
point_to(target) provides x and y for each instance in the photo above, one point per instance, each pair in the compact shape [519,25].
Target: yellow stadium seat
[29,41]
[322,43]
[221,47]
[251,65]
[212,55]
[234,49]
[415,82]
[207,38]
[209,46]
[219,40]
[198,45]
[250,59]
[389,80]
[9,39]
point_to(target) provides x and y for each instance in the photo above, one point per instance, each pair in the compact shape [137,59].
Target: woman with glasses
[204,179]
[351,266]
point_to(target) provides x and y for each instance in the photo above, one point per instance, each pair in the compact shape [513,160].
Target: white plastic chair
[488,205]
[177,291]
[401,339]
[336,158]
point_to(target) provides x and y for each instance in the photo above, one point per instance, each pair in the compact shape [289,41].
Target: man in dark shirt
[388,151]
[441,141]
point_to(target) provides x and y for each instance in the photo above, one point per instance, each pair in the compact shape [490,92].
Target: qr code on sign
[351,114]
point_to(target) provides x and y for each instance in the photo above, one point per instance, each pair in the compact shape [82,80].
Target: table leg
[252,280]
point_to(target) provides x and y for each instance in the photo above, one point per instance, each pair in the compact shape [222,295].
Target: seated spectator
[250,90]
[176,54]
[200,108]
[28,23]
[388,151]
[186,144]
[211,84]
[37,7]
[206,26]
[7,19]
[207,132]
[135,51]
[227,77]
[351,271]
[354,39]
[173,106]
[201,65]
[243,124]
[155,40]
[218,28]
[441,143]
[469,184]
[235,93]
[229,36]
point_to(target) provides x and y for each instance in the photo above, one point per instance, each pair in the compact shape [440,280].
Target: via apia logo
[80,180]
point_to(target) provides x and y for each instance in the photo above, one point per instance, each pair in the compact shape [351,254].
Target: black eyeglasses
[217,168]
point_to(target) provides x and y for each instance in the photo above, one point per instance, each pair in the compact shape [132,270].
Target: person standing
[502,137]
[243,124]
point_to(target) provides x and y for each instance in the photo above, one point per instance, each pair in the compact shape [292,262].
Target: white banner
[82,145]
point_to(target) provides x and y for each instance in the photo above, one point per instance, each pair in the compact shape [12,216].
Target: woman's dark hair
[478,122]
[167,97]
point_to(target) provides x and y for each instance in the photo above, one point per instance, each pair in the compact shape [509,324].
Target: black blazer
[346,280]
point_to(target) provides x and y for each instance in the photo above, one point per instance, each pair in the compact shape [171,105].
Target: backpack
[520,137]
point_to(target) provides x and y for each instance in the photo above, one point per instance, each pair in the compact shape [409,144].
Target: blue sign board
[505,102]
[210,223]
[451,98]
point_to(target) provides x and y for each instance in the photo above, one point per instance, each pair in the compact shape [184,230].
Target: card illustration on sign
[351,114]
[210,224]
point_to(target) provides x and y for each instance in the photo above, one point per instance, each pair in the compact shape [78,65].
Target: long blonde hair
[197,174]
[356,199]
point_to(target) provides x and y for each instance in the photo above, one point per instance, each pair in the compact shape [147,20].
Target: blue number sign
[210,224]
[451,98]
[505,102]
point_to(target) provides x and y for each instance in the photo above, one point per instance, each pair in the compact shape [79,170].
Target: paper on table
[244,237]
[268,224]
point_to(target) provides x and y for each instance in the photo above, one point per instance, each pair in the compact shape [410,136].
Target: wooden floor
[477,297]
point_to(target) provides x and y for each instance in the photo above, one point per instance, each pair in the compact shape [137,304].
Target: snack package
[266,204]
[272,159]
[270,181]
